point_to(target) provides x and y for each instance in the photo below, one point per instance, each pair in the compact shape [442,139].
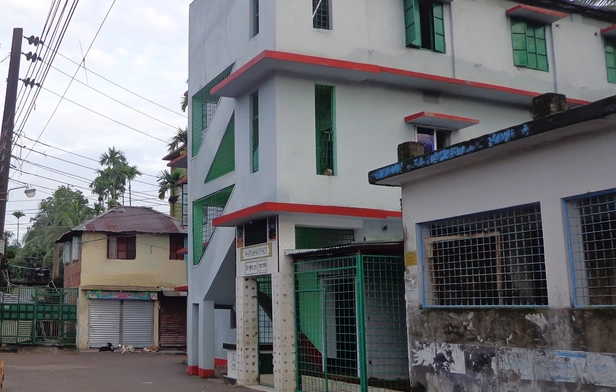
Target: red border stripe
[557,14]
[275,207]
[415,116]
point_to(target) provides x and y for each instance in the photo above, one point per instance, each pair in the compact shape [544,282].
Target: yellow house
[129,266]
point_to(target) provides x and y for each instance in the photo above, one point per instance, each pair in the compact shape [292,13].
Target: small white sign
[256,252]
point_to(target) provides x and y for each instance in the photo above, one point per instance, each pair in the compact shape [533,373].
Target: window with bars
[529,45]
[204,212]
[184,204]
[321,14]
[424,25]
[204,105]
[255,17]
[254,107]
[610,59]
[318,237]
[121,247]
[489,259]
[433,139]
[591,229]
[75,248]
[325,129]
[66,252]
[224,160]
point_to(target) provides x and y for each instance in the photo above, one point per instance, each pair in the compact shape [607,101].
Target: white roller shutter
[103,322]
[138,323]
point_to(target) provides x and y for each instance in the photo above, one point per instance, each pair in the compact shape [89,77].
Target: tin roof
[365,247]
[130,220]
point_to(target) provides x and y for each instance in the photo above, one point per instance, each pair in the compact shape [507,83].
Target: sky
[142,46]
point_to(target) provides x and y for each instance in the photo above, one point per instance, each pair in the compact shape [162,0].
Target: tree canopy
[111,180]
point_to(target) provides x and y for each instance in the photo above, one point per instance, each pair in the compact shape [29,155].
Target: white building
[512,238]
[292,102]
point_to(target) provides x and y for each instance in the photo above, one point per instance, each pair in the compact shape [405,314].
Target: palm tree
[131,172]
[112,158]
[170,182]
[18,215]
[178,140]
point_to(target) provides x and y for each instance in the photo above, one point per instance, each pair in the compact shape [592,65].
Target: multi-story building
[292,103]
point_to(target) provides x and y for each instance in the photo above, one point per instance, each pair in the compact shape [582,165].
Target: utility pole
[8,123]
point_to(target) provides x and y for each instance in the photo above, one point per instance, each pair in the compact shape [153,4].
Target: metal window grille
[204,211]
[317,237]
[184,204]
[489,259]
[204,106]
[265,327]
[351,324]
[255,17]
[255,132]
[321,14]
[325,131]
[591,226]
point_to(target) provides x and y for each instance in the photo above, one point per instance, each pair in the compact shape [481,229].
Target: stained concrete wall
[556,348]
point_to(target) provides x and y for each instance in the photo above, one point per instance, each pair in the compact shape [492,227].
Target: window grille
[75,249]
[255,17]
[255,131]
[66,252]
[204,105]
[325,131]
[489,259]
[204,211]
[184,204]
[591,226]
[529,45]
[321,14]
[121,247]
[610,60]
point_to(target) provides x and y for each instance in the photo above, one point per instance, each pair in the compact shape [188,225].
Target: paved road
[69,371]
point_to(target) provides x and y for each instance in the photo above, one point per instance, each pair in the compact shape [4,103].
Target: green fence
[38,316]
[351,324]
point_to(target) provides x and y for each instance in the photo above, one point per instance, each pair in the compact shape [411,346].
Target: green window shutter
[325,130]
[224,160]
[610,60]
[255,132]
[439,27]
[518,41]
[316,237]
[204,212]
[541,48]
[411,23]
[204,105]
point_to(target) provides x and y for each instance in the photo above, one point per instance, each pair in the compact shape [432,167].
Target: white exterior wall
[478,44]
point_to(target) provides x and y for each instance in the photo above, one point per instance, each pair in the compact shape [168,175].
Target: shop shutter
[138,323]
[104,321]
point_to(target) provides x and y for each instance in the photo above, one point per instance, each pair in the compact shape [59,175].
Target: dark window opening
[124,248]
[321,14]
[255,232]
[176,242]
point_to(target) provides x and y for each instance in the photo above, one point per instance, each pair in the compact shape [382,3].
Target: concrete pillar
[247,331]
[206,340]
[192,338]
[284,326]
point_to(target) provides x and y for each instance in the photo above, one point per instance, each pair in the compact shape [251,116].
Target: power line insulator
[30,82]
[32,57]
[32,40]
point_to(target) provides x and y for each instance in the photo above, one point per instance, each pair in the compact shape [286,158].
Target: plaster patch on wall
[559,365]
[538,319]
[441,357]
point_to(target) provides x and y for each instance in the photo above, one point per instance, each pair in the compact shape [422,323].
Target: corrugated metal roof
[130,220]
[355,247]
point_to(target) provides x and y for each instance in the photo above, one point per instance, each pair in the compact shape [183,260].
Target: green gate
[38,316]
[351,324]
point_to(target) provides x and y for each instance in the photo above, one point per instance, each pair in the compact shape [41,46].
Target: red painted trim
[276,208]
[440,115]
[181,288]
[538,10]
[192,370]
[182,251]
[609,31]
[370,68]
[220,362]
[206,373]
[176,160]
[184,180]
[174,153]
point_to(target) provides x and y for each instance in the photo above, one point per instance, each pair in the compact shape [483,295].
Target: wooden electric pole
[8,123]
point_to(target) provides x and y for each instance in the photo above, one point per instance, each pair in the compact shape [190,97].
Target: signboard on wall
[257,260]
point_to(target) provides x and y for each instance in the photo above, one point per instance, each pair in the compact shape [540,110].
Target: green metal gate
[38,316]
[265,330]
[351,324]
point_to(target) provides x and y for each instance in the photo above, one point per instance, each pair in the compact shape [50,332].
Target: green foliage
[116,173]
[178,140]
[169,182]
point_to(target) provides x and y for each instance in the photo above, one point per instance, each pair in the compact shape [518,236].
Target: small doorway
[265,331]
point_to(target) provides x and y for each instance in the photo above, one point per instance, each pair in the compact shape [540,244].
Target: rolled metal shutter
[138,323]
[104,322]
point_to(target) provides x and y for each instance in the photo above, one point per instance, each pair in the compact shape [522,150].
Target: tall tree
[170,182]
[178,140]
[18,215]
[131,172]
[110,182]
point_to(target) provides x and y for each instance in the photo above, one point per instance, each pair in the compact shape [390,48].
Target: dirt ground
[71,371]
